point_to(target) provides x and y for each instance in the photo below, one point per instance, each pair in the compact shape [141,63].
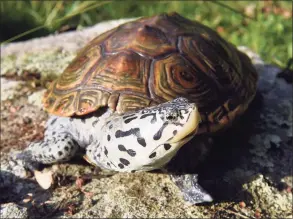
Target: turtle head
[176,122]
[166,128]
[148,138]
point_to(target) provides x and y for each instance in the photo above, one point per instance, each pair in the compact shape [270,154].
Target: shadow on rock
[259,143]
[212,161]
[24,193]
[12,187]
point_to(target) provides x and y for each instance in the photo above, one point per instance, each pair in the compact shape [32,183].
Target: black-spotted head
[170,126]
[147,139]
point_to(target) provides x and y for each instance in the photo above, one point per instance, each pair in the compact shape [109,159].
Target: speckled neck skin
[146,139]
[136,141]
[84,131]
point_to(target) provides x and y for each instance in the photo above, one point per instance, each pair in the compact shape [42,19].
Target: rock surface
[9,88]
[11,210]
[250,163]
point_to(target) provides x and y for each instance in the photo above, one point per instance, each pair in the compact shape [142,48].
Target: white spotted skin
[131,142]
[63,137]
[128,142]
[84,130]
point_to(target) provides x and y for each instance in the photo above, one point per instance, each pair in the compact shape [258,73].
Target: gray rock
[9,88]
[36,98]
[247,169]
[11,169]
[12,210]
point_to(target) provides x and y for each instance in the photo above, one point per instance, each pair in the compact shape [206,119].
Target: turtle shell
[153,60]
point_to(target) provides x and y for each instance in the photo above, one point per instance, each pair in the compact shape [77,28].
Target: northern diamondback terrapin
[137,93]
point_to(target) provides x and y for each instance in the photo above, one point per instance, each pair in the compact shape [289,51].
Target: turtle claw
[44,179]
[28,163]
[192,191]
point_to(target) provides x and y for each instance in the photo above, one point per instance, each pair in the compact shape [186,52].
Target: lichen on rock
[50,62]
[12,210]
[269,199]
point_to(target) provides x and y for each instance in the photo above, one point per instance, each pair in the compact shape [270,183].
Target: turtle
[134,95]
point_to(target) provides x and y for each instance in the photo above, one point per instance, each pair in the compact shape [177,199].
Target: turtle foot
[191,190]
[27,158]
[103,173]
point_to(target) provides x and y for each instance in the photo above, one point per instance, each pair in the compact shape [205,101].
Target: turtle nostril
[170,117]
[173,115]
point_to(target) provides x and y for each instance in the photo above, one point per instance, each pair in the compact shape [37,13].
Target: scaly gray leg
[191,190]
[199,148]
[58,146]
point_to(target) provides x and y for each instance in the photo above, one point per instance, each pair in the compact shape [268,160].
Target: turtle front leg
[184,177]
[191,190]
[56,147]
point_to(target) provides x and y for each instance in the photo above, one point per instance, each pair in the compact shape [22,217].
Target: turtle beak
[89,160]
[189,129]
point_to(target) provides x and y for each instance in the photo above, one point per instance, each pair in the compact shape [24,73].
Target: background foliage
[264,26]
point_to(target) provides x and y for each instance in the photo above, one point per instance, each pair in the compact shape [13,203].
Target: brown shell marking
[64,91]
[131,103]
[124,71]
[153,60]
[146,40]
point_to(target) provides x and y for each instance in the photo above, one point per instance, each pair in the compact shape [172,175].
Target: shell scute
[175,76]
[79,69]
[175,25]
[90,100]
[125,71]
[145,40]
[212,59]
[64,105]
[129,102]
[64,89]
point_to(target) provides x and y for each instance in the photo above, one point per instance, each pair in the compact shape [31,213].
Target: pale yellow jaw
[87,159]
[190,126]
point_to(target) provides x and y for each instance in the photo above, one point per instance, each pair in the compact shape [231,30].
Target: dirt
[21,123]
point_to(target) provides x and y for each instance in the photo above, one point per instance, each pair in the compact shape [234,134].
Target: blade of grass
[52,15]
[232,9]
[59,20]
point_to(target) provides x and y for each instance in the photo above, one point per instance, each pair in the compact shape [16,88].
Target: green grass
[269,34]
